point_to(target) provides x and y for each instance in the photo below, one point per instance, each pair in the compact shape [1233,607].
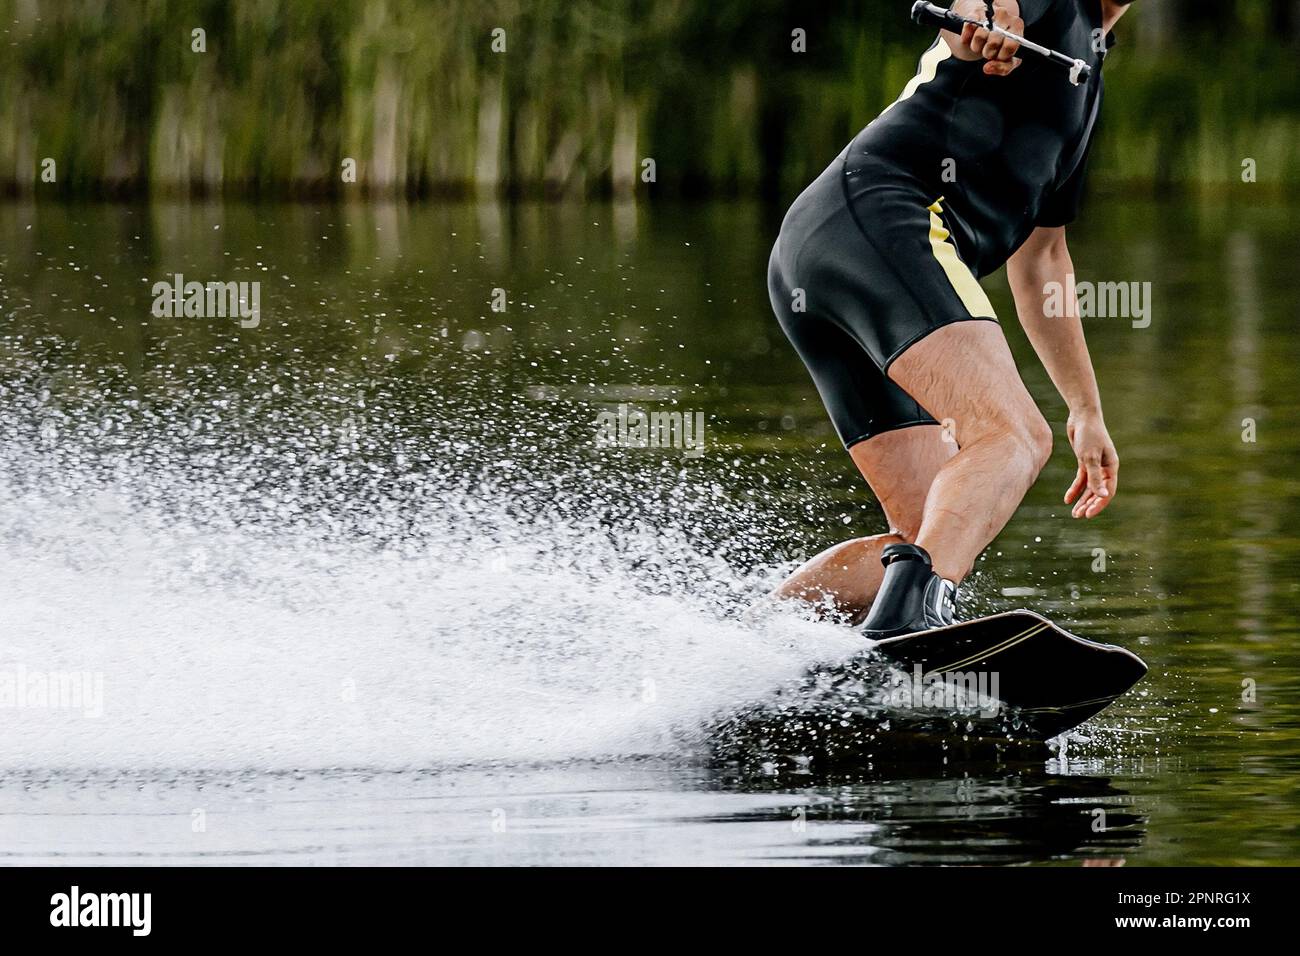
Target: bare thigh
[964,375]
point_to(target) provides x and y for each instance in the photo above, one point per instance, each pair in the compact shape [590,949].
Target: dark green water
[387,483]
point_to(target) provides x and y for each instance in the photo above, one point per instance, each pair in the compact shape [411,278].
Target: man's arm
[1059,342]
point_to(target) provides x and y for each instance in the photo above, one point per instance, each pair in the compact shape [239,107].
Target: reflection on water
[638,814]
[362,587]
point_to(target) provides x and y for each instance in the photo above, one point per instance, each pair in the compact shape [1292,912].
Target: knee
[1027,440]
[853,548]
[1036,436]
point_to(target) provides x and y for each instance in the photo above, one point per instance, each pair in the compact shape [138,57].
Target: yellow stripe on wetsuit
[929,65]
[963,281]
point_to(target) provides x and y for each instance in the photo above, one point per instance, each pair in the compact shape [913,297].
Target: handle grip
[927,14]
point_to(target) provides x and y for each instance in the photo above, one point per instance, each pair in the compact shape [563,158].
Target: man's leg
[899,466]
[964,373]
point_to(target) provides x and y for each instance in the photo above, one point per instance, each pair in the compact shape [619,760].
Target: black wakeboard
[1048,679]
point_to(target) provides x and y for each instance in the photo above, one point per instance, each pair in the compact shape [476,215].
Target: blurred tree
[717,92]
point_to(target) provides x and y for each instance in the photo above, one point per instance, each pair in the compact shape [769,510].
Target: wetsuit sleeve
[1062,207]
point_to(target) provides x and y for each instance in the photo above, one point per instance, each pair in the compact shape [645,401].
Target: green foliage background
[585,90]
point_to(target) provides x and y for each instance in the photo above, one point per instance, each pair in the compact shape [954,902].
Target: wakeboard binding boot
[912,597]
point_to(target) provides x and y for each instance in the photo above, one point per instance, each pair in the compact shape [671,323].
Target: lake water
[357,584]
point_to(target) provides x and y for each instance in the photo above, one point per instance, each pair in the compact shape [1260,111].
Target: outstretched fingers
[1099,484]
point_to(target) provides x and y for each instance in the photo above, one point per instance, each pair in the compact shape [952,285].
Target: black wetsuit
[942,187]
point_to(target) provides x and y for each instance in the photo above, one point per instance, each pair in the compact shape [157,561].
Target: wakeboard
[1047,679]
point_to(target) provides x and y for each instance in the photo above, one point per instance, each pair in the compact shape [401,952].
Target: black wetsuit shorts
[864,267]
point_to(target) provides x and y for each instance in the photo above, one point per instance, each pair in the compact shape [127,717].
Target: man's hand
[1043,260]
[976,42]
[1094,485]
